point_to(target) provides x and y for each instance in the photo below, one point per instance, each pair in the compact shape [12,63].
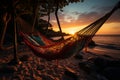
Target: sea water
[108,45]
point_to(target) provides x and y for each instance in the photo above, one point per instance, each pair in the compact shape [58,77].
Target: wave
[108,46]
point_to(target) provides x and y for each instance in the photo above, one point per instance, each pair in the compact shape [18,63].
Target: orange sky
[108,28]
[78,15]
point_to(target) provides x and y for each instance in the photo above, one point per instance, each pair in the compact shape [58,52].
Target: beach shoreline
[36,68]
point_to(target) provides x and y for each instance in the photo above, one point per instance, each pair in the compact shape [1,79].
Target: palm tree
[54,6]
[10,9]
[58,22]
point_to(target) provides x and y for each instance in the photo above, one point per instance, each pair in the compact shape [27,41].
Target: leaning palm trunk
[48,21]
[35,10]
[58,22]
[6,21]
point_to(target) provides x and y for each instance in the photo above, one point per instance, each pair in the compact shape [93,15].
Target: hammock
[38,39]
[66,48]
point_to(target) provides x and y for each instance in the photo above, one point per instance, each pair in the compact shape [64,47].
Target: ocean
[106,45]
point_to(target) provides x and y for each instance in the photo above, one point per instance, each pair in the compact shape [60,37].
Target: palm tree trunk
[35,9]
[48,22]
[4,31]
[15,57]
[58,22]
[15,42]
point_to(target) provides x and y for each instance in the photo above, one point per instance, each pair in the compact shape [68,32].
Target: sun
[72,32]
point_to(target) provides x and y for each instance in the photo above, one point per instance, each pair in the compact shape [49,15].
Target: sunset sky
[78,15]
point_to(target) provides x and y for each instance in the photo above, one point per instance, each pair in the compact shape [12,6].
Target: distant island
[53,33]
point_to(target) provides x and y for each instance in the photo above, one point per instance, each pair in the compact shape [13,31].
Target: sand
[36,68]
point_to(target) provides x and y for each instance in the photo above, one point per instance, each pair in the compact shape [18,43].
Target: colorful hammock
[66,48]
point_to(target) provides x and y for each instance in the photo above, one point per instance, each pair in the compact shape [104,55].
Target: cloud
[82,19]
[115,17]
[77,19]
[85,18]
[89,17]
[102,9]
